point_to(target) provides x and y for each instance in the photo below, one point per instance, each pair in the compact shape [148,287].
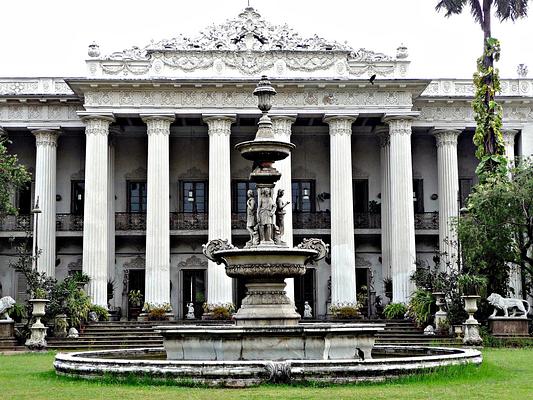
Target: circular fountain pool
[388,362]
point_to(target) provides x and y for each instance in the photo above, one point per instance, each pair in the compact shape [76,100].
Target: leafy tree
[488,113]
[13,176]
[498,227]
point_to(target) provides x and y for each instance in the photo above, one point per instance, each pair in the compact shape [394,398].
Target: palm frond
[451,6]
[476,10]
[511,9]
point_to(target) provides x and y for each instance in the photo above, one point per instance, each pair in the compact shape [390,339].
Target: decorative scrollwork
[211,247]
[279,372]
[318,245]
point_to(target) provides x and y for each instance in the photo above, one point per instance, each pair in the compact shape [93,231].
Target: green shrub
[101,312]
[421,307]
[18,312]
[471,284]
[395,311]
[344,312]
[40,293]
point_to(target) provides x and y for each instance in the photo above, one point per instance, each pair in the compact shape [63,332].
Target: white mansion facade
[135,168]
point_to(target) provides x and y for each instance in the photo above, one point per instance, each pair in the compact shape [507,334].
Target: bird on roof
[372,79]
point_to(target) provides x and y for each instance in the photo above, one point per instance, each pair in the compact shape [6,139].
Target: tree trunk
[488,62]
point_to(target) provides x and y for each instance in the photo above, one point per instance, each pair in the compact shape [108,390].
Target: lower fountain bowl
[388,362]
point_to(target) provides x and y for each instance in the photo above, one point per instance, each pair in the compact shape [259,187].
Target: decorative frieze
[42,112]
[32,86]
[465,88]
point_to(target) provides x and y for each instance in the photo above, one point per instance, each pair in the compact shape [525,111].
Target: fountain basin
[393,362]
[265,262]
[246,343]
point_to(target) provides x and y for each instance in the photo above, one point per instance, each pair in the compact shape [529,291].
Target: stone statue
[73,333]
[265,216]
[251,220]
[6,303]
[308,311]
[429,330]
[190,311]
[505,304]
[280,215]
[93,317]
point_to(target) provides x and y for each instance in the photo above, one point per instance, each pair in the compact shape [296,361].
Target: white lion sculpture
[505,304]
[6,303]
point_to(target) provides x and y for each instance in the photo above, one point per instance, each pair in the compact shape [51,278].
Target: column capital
[508,136]
[46,136]
[399,124]
[219,124]
[340,125]
[89,116]
[382,132]
[446,136]
[282,125]
[157,117]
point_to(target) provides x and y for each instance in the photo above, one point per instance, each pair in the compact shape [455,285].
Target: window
[77,197]
[303,196]
[136,197]
[24,200]
[194,196]
[360,195]
[239,195]
[465,187]
[418,195]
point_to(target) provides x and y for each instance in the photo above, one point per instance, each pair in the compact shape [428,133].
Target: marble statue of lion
[505,304]
[6,303]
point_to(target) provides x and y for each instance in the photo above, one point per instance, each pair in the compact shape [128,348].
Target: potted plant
[136,300]
[81,279]
[471,284]
[395,311]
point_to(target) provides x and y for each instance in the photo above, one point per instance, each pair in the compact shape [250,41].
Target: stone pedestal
[441,316]
[7,329]
[471,326]
[508,326]
[37,339]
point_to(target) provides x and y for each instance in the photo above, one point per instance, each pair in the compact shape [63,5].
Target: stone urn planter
[471,325]
[441,316]
[37,339]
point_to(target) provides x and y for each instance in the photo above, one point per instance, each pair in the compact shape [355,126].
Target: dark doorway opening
[193,290]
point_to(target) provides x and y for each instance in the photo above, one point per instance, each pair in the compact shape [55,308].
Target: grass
[504,374]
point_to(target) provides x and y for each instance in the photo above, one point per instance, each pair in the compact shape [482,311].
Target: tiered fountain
[267,343]
[267,325]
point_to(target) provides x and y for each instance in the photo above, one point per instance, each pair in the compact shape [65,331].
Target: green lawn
[504,374]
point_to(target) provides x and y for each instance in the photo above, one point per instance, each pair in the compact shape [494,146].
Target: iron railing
[16,223]
[199,221]
[69,222]
[427,220]
[180,221]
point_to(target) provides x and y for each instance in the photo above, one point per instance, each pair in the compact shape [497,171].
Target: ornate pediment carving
[193,262]
[248,44]
[135,263]
[139,173]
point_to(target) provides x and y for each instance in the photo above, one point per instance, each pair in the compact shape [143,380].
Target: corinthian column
[402,224]
[448,189]
[96,214]
[111,208]
[45,191]
[384,157]
[157,280]
[281,125]
[342,225]
[219,285]
[515,277]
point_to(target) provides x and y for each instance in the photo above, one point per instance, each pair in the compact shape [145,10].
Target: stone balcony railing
[180,221]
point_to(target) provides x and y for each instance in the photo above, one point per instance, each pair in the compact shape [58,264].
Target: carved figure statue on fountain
[280,216]
[265,216]
[251,220]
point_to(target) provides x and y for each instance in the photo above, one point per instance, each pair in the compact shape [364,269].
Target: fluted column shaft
[157,280]
[384,156]
[448,190]
[343,289]
[220,288]
[402,225]
[45,191]
[96,214]
[111,209]
[515,277]
[282,126]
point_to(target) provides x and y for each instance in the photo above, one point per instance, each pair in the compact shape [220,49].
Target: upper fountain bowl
[262,150]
